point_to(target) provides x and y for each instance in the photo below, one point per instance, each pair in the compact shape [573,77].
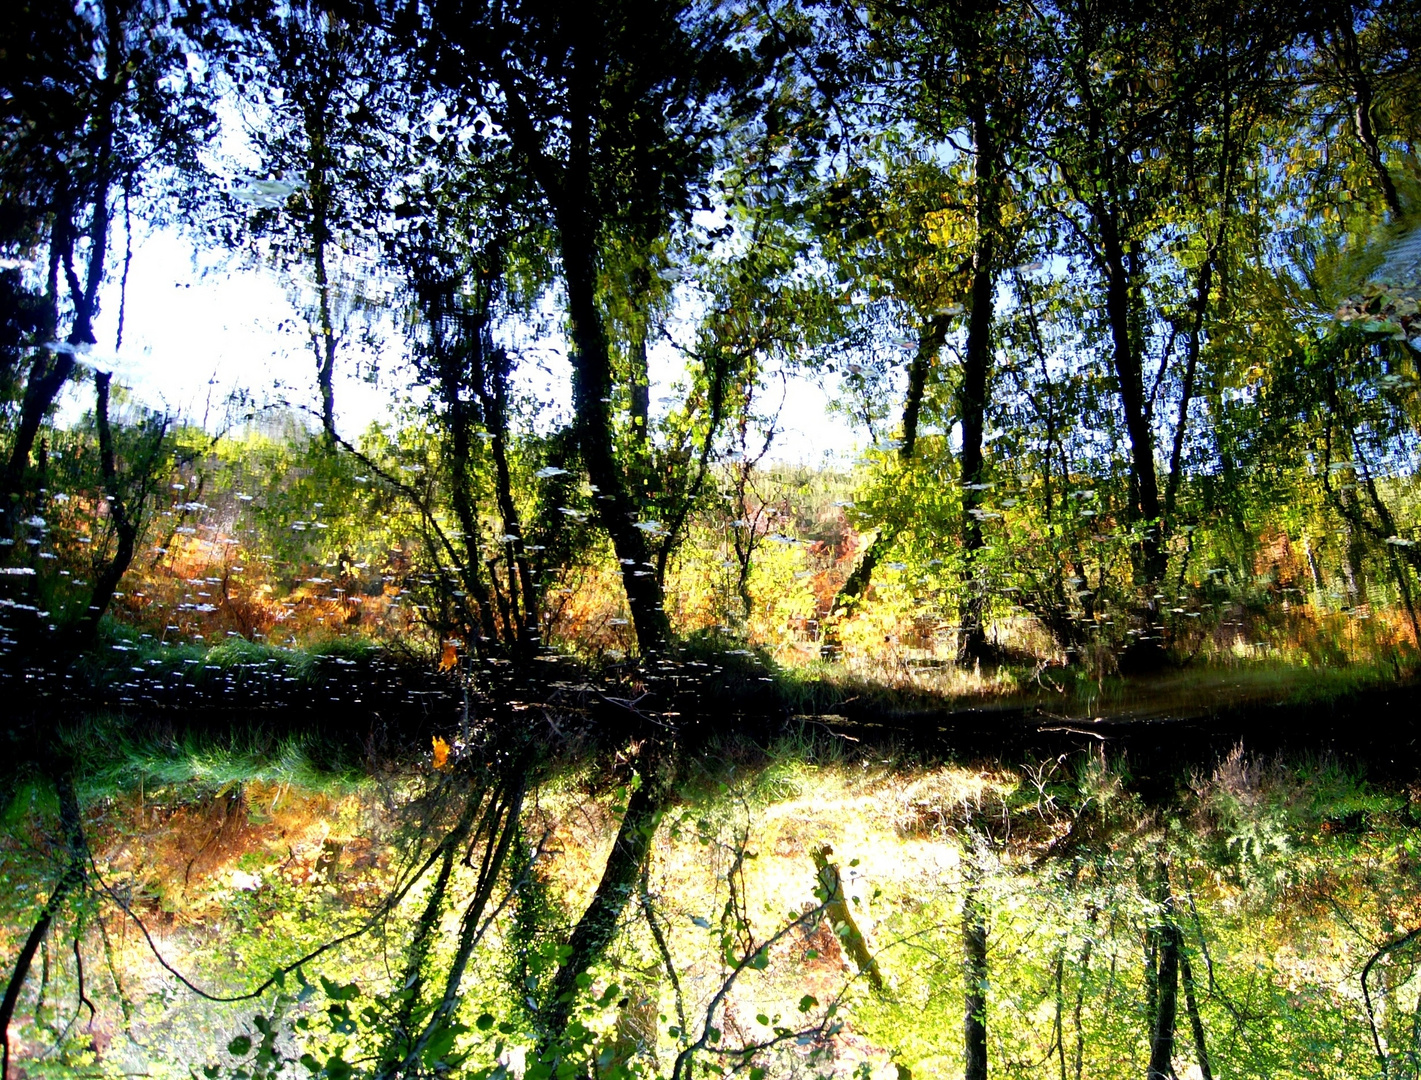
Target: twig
[660,938]
[683,1060]
[79,971]
[1390,947]
[389,905]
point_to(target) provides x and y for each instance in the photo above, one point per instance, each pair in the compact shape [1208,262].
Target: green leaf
[336,992]
[484,1022]
[440,1043]
[240,1046]
[761,1018]
[337,1068]
[807,1002]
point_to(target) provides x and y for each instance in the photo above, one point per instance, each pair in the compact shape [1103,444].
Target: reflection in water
[790,914]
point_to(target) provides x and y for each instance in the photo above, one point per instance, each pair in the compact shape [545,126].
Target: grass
[1200,687]
[111,757]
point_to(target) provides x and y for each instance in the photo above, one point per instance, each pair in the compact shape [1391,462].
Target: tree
[1151,105]
[975,69]
[101,110]
[324,113]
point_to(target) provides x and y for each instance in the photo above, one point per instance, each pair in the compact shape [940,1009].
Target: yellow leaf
[441,753]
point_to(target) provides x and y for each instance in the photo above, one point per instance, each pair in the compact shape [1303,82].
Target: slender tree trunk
[324,344]
[451,359]
[46,378]
[976,371]
[318,192]
[499,828]
[1129,376]
[932,335]
[125,515]
[974,975]
[594,931]
[1083,963]
[592,390]
[640,374]
[1186,391]
[856,585]
[1193,344]
[836,906]
[1166,982]
[462,497]
[493,395]
[1196,1023]
[423,935]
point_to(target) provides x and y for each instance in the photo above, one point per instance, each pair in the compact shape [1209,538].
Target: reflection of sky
[198,329]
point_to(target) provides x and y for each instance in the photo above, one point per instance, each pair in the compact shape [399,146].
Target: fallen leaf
[450,657]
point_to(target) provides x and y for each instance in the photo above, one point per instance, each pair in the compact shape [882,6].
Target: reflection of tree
[1065,880]
[71,882]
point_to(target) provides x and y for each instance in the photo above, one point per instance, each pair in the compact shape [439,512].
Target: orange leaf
[450,657]
[441,753]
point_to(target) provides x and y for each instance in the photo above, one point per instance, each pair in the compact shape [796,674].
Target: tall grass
[111,757]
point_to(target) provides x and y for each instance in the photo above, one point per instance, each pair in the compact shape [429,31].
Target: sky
[199,328]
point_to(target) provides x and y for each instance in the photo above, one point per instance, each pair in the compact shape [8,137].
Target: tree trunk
[976,370]
[974,974]
[639,376]
[74,877]
[598,924]
[492,384]
[318,187]
[423,934]
[126,518]
[1129,375]
[931,337]
[499,828]
[836,906]
[46,378]
[1165,982]
[1196,1023]
[1359,84]
[592,391]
